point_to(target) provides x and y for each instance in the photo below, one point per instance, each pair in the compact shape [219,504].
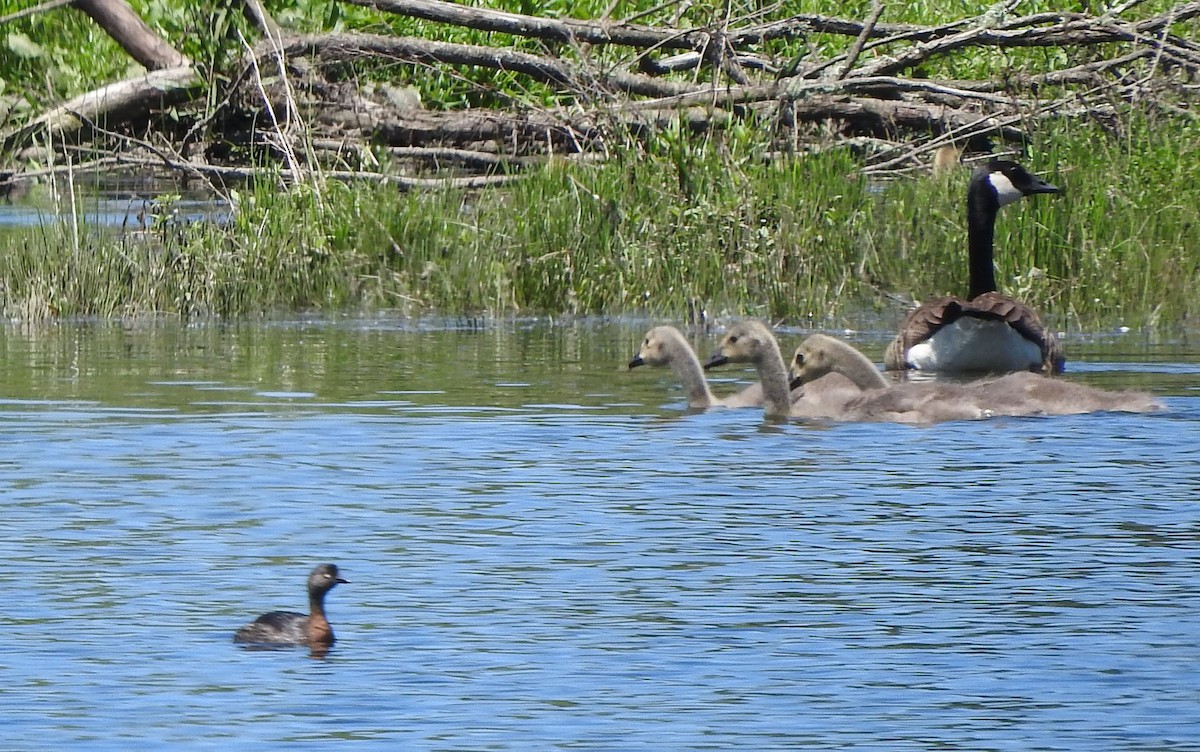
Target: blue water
[129,210]
[551,554]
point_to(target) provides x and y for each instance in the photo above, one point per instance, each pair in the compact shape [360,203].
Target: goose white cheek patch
[1006,192]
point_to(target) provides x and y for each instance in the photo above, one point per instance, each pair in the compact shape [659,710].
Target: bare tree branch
[544,69]
[570,30]
[34,10]
[856,48]
[1070,33]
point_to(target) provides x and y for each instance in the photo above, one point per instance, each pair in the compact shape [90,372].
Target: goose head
[820,355]
[812,360]
[656,347]
[993,185]
[1000,182]
[745,342]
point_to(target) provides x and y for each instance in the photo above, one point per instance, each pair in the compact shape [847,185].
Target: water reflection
[550,553]
[122,202]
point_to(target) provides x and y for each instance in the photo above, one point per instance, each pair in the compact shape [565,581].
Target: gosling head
[745,342]
[814,358]
[655,350]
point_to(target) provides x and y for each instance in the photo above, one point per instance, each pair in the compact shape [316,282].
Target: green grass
[713,221]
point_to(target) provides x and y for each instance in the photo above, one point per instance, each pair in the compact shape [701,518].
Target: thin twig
[402,182]
[26,12]
[856,48]
[285,144]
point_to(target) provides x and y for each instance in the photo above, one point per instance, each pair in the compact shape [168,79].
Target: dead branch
[296,101]
[1070,33]
[864,35]
[34,10]
[799,25]
[131,32]
[542,69]
[258,15]
[113,104]
[571,30]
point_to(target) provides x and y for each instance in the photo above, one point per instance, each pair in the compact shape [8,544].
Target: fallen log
[110,106]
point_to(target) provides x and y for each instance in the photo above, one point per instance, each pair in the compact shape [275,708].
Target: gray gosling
[666,346]
[877,400]
[1016,394]
[752,342]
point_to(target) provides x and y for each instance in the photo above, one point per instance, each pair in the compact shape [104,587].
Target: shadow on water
[551,552]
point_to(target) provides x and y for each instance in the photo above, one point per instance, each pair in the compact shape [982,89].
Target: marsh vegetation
[732,207]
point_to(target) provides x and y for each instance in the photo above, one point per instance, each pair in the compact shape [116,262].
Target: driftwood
[616,81]
[118,102]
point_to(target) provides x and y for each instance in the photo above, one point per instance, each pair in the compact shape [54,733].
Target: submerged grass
[712,223]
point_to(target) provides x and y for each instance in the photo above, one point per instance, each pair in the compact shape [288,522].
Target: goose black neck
[982,207]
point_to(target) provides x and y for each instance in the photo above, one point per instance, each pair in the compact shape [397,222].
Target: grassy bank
[801,238]
[677,220]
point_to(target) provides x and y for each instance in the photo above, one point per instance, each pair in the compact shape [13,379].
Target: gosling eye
[733,339]
[799,359]
[646,342]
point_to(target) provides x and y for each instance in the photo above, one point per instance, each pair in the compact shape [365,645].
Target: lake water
[547,552]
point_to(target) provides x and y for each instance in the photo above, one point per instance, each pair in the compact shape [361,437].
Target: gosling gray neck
[772,372]
[686,367]
[855,366]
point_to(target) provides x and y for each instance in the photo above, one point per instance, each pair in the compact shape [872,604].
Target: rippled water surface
[548,552]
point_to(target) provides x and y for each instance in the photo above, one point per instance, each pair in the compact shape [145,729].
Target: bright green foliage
[52,56]
[40,56]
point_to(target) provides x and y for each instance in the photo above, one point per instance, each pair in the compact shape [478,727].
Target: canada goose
[666,346]
[1015,394]
[987,331]
[752,342]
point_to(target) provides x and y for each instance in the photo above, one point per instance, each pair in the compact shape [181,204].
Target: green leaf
[23,46]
